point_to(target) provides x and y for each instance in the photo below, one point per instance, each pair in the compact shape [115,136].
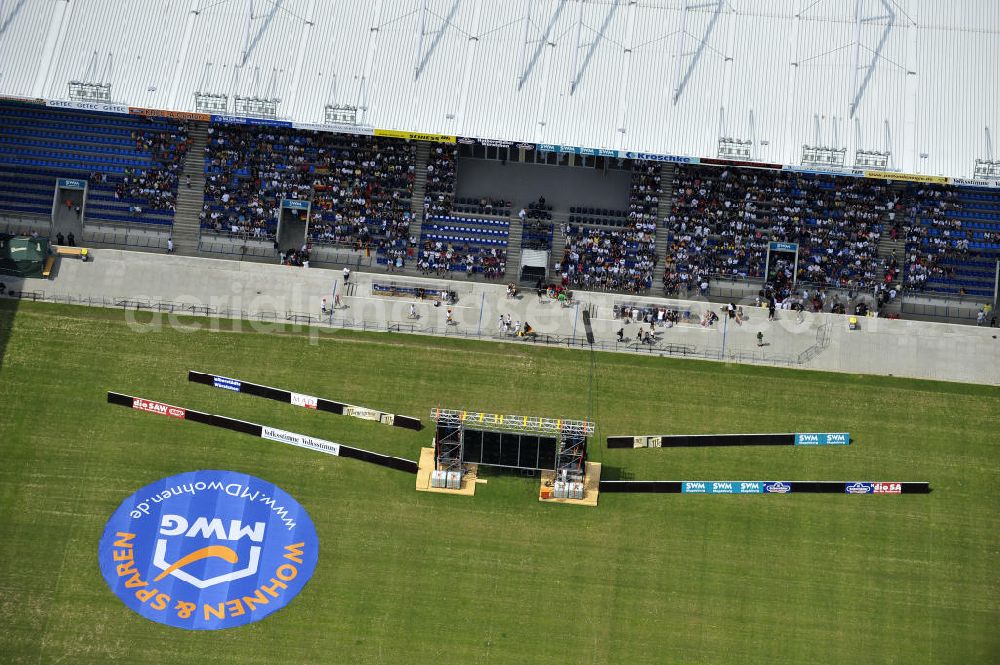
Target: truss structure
[450,445]
[570,455]
[512,423]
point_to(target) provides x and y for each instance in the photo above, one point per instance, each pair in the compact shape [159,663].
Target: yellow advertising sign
[414,136]
[909,177]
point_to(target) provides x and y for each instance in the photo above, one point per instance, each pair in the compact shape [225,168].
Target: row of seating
[465,240]
[597,212]
[465,229]
[124,140]
[470,221]
[100,121]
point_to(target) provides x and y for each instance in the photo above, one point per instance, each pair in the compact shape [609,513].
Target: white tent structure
[903,85]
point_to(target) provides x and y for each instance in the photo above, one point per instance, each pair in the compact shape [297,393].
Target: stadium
[433,331]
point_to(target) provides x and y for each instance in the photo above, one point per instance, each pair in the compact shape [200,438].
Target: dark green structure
[22,256]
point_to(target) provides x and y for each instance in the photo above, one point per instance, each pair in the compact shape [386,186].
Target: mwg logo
[204,529]
[208,549]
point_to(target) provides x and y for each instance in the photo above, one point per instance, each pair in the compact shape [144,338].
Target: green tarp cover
[22,256]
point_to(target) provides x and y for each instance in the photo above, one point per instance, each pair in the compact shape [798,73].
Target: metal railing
[330,321]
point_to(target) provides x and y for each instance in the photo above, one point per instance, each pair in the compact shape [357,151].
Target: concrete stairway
[419,185]
[187,226]
[666,203]
[515,230]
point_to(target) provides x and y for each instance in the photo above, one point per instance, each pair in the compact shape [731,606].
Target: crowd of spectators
[154,187]
[722,221]
[440,258]
[439,192]
[360,186]
[933,239]
[613,260]
[644,192]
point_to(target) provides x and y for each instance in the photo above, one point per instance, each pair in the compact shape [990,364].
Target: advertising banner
[783,246]
[295,204]
[69,183]
[723,487]
[859,488]
[887,488]
[300,440]
[777,487]
[174,115]
[908,177]
[974,183]
[207,550]
[243,120]
[336,127]
[227,384]
[159,408]
[415,136]
[100,107]
[649,157]
[823,439]
[305,401]
[368,414]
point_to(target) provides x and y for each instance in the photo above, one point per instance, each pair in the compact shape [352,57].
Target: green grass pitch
[408,577]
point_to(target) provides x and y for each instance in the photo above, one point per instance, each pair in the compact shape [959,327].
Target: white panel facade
[911,77]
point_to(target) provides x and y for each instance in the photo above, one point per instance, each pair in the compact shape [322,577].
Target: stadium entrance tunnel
[293,225]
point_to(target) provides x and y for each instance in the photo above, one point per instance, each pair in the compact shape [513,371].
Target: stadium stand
[360,186]
[612,260]
[132,162]
[952,239]
[644,192]
[440,188]
[476,246]
[723,219]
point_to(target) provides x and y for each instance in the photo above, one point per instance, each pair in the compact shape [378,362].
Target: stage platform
[591,487]
[426,465]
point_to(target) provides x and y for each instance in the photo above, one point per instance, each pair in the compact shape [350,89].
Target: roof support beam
[526,71]
[619,141]
[301,57]
[175,86]
[859,20]
[470,58]
[54,41]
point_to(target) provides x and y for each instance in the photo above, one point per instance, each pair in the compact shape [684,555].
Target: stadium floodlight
[207,102]
[986,168]
[871,159]
[256,106]
[89,92]
[734,148]
[817,155]
[340,114]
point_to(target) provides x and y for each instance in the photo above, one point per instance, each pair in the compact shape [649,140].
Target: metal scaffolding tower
[450,442]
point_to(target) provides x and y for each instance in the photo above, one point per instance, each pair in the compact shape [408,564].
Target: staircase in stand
[190,200]
[514,233]
[419,184]
[663,210]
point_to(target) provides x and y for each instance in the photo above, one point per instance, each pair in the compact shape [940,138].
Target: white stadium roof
[912,78]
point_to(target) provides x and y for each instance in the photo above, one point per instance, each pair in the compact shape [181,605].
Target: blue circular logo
[208,549]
